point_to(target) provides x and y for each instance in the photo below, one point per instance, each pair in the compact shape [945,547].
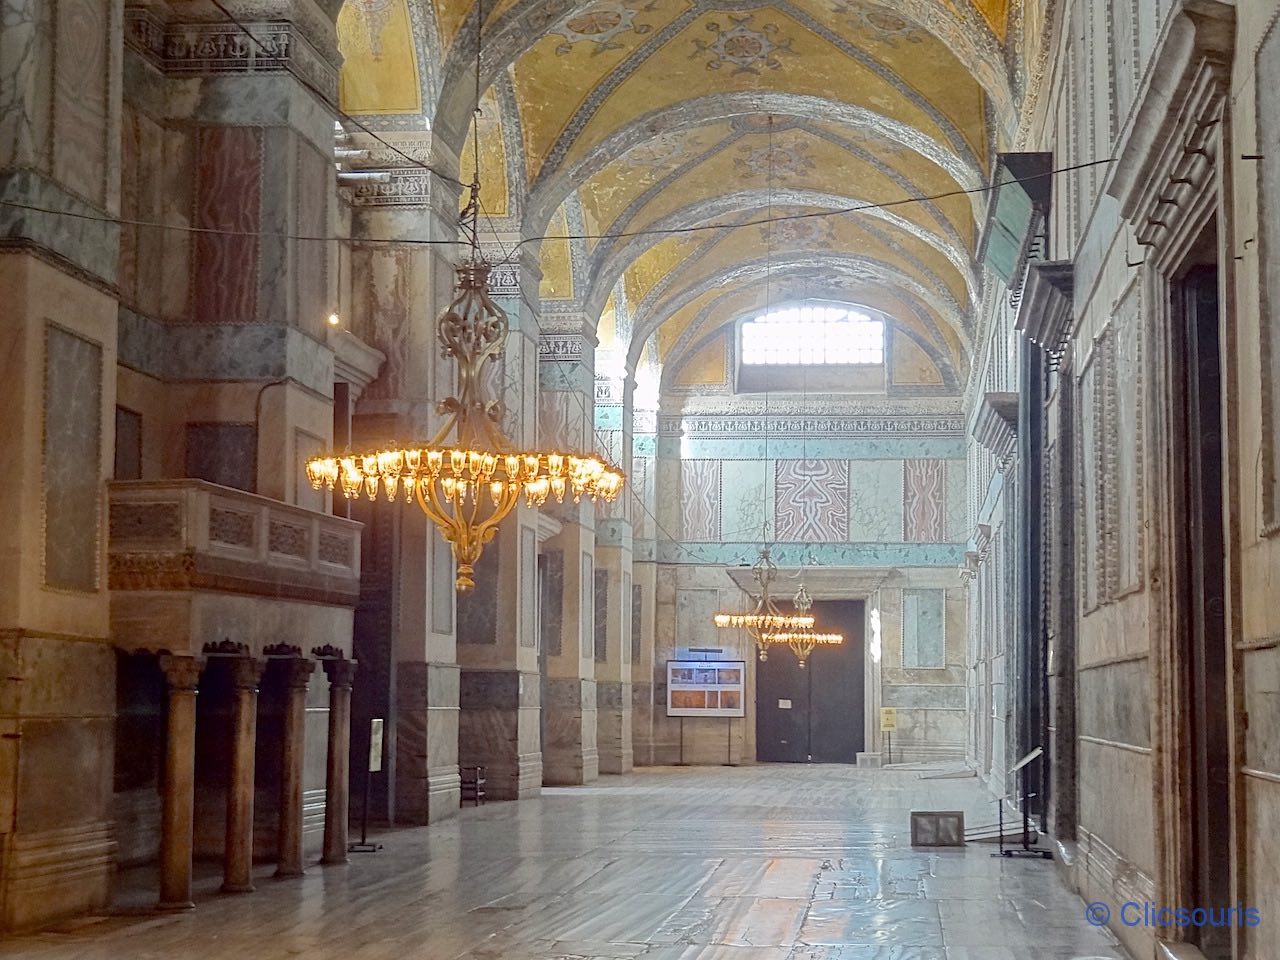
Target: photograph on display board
[706,688]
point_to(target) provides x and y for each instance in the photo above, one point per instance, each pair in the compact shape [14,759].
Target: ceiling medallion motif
[783,160]
[742,48]
[882,23]
[663,152]
[601,25]
[813,232]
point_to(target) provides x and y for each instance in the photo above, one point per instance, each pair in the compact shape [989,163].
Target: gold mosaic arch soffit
[612,260]
[550,188]
[974,31]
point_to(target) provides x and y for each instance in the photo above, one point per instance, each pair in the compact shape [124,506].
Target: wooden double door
[815,714]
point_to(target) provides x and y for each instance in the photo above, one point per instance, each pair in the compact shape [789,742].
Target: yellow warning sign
[888,719]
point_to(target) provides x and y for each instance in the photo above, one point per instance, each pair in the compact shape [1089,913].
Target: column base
[498,719]
[613,726]
[237,888]
[287,874]
[569,755]
[427,782]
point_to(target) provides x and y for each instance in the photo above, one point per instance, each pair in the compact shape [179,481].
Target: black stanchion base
[364,848]
[1033,854]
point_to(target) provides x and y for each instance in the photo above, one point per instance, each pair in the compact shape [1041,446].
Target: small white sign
[784,704]
[375,746]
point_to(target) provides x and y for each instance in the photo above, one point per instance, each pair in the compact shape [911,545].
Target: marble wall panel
[478,608]
[746,498]
[528,587]
[811,501]
[1114,702]
[224,453]
[72,460]
[957,492]
[875,500]
[128,452]
[551,610]
[600,623]
[587,608]
[314,184]
[924,629]
[442,575]
[700,500]
[637,615]
[228,199]
[924,501]
[926,696]
[82,97]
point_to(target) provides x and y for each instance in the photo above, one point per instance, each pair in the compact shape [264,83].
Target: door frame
[1173,181]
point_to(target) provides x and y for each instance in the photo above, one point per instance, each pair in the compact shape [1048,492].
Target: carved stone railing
[183,535]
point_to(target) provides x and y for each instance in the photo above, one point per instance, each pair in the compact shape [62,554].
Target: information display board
[706,688]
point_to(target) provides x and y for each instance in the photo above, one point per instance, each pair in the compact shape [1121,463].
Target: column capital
[341,672]
[298,671]
[182,671]
[246,672]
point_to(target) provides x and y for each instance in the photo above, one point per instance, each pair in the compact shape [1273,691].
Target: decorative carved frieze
[231,527]
[821,426]
[335,548]
[562,348]
[208,49]
[287,539]
[145,521]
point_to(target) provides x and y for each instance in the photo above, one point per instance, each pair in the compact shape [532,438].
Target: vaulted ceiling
[662,132]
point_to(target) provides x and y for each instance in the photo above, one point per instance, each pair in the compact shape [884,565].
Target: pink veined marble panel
[924,495]
[228,198]
[701,507]
[811,501]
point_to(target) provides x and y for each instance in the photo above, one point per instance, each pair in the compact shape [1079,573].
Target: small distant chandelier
[470,484]
[766,620]
[803,641]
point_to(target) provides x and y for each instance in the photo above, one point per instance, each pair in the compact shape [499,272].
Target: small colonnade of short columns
[177,824]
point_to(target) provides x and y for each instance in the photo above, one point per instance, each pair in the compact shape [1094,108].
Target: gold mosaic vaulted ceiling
[634,117]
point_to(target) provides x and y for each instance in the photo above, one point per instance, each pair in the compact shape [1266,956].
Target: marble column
[612,633]
[337,791]
[237,876]
[297,673]
[566,400]
[499,683]
[405,626]
[178,807]
[644,570]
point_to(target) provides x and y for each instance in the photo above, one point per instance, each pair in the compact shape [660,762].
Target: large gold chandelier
[803,641]
[766,620]
[469,484]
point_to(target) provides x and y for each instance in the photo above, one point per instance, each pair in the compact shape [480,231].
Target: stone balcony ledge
[190,535]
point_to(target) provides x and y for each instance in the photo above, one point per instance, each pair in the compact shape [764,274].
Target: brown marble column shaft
[292,757]
[237,866]
[337,798]
[178,803]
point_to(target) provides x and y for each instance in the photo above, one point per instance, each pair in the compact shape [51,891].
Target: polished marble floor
[750,863]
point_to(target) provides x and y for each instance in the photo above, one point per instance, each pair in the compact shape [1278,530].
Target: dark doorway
[1202,548]
[815,714]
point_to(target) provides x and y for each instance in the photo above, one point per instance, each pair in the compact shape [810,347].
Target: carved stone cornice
[1165,150]
[1045,315]
[996,426]
[354,361]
